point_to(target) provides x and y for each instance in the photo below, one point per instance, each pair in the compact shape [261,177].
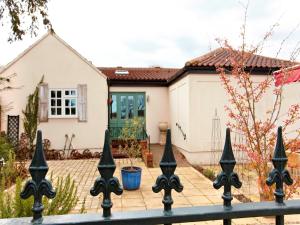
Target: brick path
[157,151]
[197,189]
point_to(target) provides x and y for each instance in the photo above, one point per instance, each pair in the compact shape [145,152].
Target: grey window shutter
[82,102]
[43,102]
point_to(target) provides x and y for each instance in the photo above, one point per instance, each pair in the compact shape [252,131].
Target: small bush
[6,149]
[129,137]
[9,172]
[11,205]
[210,174]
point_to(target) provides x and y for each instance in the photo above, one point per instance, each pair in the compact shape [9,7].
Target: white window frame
[63,98]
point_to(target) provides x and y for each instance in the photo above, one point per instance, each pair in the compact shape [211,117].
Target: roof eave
[144,83]
[212,70]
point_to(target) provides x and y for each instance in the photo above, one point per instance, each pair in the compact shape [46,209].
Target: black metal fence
[106,183]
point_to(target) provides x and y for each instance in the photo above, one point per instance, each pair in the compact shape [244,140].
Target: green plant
[11,205]
[5,148]
[129,138]
[30,120]
[9,171]
[65,199]
[210,174]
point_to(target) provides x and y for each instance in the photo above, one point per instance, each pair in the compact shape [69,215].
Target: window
[63,103]
[141,105]
[113,108]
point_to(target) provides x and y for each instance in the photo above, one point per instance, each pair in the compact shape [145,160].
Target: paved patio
[197,190]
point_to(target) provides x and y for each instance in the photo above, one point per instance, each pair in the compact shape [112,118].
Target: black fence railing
[106,183]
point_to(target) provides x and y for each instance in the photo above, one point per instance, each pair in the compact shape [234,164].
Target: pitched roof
[138,73]
[53,34]
[220,58]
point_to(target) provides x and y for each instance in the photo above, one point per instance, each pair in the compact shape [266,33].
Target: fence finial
[227,177]
[106,183]
[279,174]
[38,186]
[168,180]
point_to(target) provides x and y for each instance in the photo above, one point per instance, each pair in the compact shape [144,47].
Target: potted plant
[130,146]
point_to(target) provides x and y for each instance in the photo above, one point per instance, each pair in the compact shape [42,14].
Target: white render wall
[62,68]
[179,112]
[157,107]
[193,101]
[290,96]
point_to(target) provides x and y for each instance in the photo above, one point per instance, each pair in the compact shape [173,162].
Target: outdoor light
[147,98]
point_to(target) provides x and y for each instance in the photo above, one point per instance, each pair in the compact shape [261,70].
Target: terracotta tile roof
[219,58]
[138,74]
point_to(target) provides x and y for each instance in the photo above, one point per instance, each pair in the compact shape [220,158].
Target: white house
[81,99]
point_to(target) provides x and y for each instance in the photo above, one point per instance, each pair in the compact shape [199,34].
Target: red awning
[288,75]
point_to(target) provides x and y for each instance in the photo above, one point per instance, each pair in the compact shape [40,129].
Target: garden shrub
[130,145]
[5,148]
[12,206]
[9,172]
[210,174]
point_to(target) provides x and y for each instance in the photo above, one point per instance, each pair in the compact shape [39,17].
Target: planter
[147,158]
[163,127]
[131,177]
[143,144]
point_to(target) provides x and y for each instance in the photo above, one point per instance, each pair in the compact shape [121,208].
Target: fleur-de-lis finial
[168,180]
[279,174]
[106,183]
[38,186]
[227,177]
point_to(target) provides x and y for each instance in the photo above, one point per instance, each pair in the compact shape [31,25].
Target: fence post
[38,186]
[168,180]
[279,174]
[106,182]
[227,177]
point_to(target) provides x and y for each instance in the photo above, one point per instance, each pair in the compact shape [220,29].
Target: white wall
[179,112]
[62,68]
[157,107]
[194,99]
[290,96]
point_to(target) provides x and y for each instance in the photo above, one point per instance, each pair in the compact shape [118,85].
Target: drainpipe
[108,100]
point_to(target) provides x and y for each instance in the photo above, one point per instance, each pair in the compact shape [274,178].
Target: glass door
[125,106]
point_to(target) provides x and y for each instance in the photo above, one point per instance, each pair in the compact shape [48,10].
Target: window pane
[53,112]
[73,111]
[113,114]
[58,111]
[66,92]
[67,111]
[123,107]
[52,102]
[53,94]
[58,94]
[67,102]
[141,105]
[73,102]
[73,92]
[58,102]
[130,107]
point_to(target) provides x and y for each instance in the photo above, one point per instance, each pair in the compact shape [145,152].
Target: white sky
[161,32]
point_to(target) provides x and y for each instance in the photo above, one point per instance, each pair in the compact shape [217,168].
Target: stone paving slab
[197,190]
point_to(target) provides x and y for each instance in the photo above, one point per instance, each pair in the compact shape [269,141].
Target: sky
[166,33]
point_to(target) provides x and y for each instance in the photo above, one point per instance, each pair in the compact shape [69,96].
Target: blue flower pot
[131,177]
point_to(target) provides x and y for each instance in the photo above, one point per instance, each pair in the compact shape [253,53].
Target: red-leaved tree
[247,94]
